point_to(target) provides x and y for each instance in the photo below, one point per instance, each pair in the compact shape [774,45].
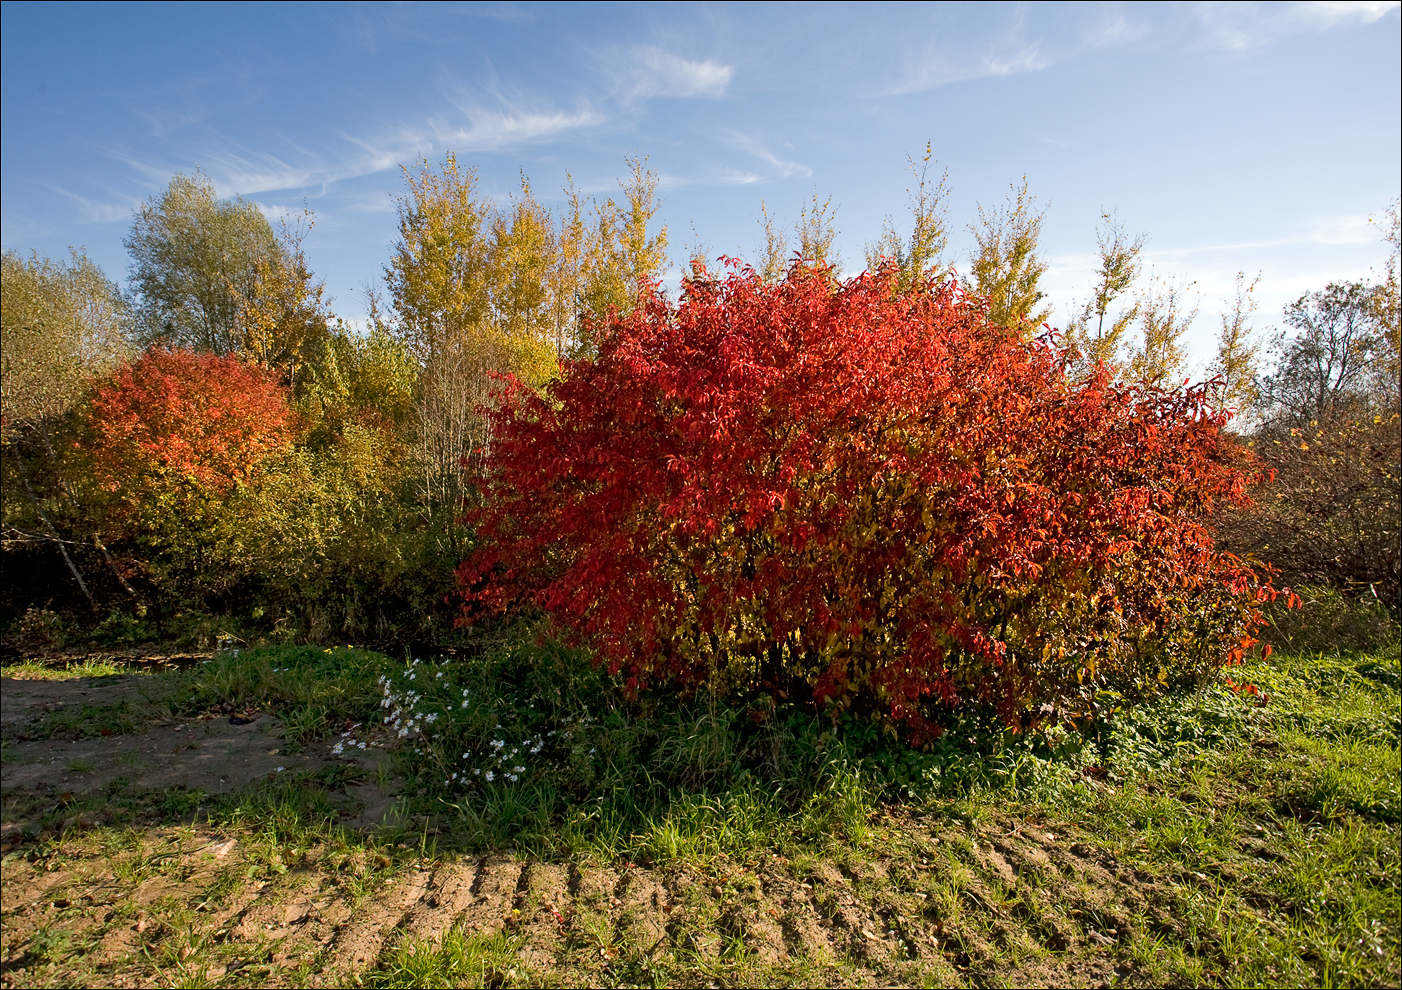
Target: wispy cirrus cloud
[1340,13]
[1017,49]
[939,70]
[1244,26]
[781,167]
[647,71]
[468,127]
[99,211]
[1025,47]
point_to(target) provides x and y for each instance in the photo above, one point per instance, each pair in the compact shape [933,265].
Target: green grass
[1212,837]
[459,959]
[312,689]
[64,670]
[87,721]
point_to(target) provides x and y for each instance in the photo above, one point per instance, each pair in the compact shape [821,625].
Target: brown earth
[218,753]
[1007,906]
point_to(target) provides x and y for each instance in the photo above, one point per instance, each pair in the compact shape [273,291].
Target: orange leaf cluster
[189,414]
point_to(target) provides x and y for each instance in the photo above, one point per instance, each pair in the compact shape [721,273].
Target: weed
[87,721]
[63,670]
[458,960]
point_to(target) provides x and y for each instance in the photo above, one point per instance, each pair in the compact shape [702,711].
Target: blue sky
[1237,136]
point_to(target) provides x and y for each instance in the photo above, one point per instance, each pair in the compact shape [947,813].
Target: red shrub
[196,416]
[881,496]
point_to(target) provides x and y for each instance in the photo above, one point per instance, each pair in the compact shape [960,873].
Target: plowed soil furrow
[641,919]
[1000,911]
[446,896]
[493,895]
[543,898]
[358,944]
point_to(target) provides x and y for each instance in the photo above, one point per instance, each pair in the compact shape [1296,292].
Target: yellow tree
[624,252]
[1120,265]
[440,283]
[1006,267]
[817,234]
[1238,349]
[1164,317]
[284,322]
[922,254]
[774,256]
[524,254]
[481,290]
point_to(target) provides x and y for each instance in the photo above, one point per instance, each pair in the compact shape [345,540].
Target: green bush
[1330,620]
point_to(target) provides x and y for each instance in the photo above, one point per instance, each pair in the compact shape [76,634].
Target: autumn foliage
[183,414]
[879,496]
[178,448]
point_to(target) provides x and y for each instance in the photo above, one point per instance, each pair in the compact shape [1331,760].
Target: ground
[130,861]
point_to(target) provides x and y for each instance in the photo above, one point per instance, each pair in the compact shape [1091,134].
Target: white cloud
[1015,51]
[646,71]
[1338,13]
[722,176]
[238,170]
[492,130]
[1242,26]
[781,166]
[97,211]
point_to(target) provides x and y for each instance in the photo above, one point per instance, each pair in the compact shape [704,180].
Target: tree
[1120,265]
[1326,369]
[922,254]
[884,501]
[186,415]
[179,442]
[816,236]
[480,291]
[774,258]
[61,324]
[1329,511]
[466,284]
[194,256]
[1164,317]
[284,322]
[1006,268]
[625,256]
[1235,365]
